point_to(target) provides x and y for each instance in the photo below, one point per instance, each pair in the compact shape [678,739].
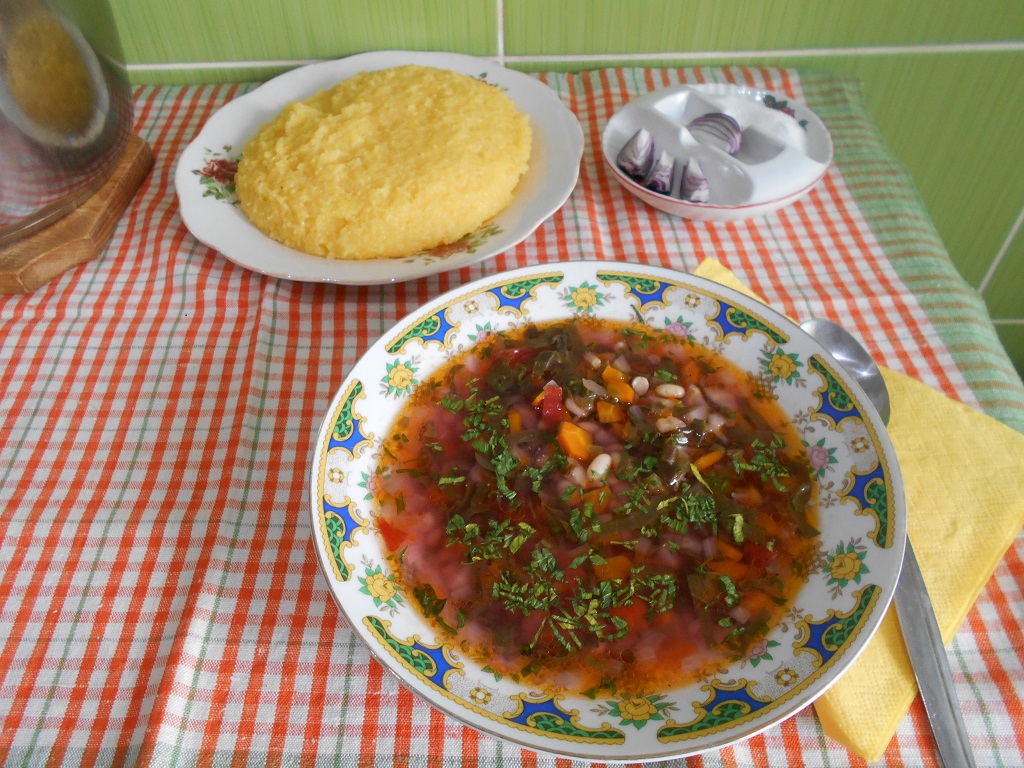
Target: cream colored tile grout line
[1012,46]
[186,66]
[880,50]
[500,13]
[994,266]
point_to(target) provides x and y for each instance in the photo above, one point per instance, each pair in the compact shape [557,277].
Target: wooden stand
[81,235]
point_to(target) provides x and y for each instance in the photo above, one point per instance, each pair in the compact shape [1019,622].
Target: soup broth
[596,507]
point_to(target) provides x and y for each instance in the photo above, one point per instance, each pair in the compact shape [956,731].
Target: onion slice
[637,157]
[717,129]
[660,178]
[694,187]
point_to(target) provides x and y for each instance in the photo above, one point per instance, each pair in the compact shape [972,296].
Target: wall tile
[558,27]
[1004,292]
[1012,337]
[956,121]
[164,31]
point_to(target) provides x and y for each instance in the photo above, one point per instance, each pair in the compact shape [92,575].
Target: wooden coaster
[80,236]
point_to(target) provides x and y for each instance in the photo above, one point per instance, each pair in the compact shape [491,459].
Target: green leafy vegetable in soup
[596,507]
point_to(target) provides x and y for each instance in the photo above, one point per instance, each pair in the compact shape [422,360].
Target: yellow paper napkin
[962,475]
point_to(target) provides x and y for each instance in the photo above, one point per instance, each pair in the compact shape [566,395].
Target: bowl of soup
[607,511]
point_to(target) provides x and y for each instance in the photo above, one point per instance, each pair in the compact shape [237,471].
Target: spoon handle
[931,666]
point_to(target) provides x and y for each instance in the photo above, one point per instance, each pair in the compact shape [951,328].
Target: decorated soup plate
[846,585]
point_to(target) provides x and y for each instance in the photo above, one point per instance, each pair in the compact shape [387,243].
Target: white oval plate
[204,177]
[786,149]
[859,491]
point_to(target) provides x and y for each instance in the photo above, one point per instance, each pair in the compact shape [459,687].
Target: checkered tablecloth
[160,601]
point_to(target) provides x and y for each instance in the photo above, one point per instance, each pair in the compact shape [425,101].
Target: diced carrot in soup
[734,570]
[609,413]
[729,550]
[600,499]
[621,390]
[616,567]
[611,373]
[575,440]
[515,421]
[708,459]
[597,499]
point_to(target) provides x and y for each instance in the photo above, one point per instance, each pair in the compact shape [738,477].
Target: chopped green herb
[732,595]
[737,528]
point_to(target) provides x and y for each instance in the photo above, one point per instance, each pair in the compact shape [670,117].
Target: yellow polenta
[385,164]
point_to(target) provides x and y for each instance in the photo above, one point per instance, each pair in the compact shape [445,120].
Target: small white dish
[786,149]
[204,178]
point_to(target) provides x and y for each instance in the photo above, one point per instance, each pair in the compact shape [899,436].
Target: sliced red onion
[660,178]
[575,408]
[621,363]
[637,157]
[643,547]
[694,396]
[578,475]
[710,546]
[719,130]
[715,422]
[697,413]
[694,186]
[741,614]
[724,398]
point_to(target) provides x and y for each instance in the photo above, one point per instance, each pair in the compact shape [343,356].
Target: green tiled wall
[653,26]
[944,79]
[247,32]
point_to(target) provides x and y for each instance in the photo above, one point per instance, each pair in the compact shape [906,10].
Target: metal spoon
[913,606]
